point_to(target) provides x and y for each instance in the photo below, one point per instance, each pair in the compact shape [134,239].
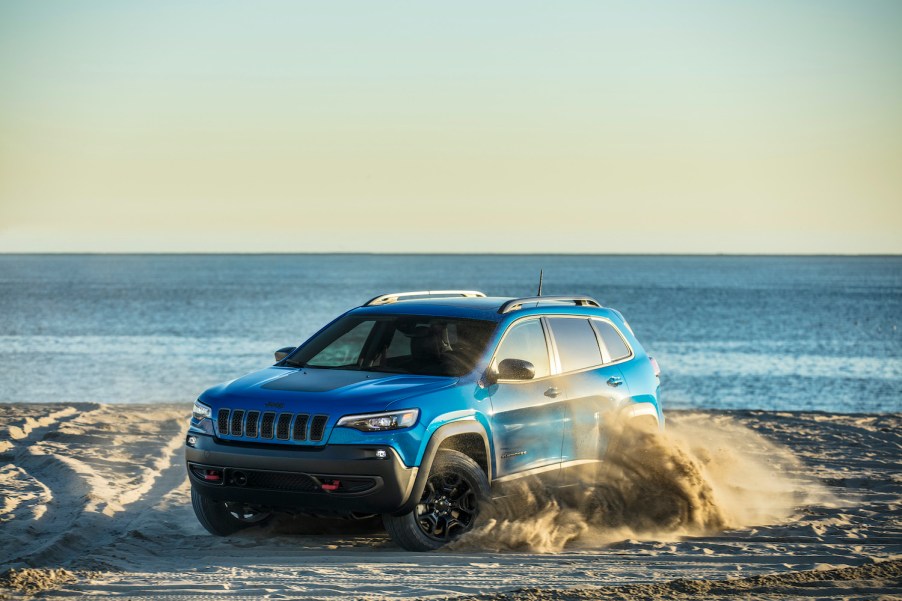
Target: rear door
[527,414]
[593,390]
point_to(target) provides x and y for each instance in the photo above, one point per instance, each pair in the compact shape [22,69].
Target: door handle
[615,381]
[553,392]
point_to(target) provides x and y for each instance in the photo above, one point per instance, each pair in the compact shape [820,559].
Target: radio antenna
[540,283]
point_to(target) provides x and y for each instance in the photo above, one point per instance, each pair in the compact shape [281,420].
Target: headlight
[376,422]
[201,411]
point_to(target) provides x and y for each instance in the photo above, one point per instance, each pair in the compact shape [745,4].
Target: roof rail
[517,303]
[393,297]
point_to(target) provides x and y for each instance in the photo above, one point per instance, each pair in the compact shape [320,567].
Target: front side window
[576,343]
[526,340]
[404,344]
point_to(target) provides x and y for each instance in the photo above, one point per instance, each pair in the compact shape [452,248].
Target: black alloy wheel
[448,507]
[455,490]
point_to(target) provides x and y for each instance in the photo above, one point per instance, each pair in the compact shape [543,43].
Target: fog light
[191,440]
[381,454]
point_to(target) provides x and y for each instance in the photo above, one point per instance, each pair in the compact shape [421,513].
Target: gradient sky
[626,127]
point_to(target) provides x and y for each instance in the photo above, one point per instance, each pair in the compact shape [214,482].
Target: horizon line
[438,253]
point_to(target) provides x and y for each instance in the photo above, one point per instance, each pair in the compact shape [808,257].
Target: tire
[456,489]
[219,519]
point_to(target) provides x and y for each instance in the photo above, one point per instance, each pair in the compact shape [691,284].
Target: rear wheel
[455,490]
[221,518]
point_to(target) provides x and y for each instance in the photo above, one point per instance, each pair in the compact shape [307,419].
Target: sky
[547,127]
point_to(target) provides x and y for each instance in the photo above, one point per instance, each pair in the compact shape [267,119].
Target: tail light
[654,365]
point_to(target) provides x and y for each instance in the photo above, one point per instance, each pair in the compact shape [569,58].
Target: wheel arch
[642,413]
[467,436]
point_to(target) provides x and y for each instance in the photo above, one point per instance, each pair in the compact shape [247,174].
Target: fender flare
[444,432]
[643,409]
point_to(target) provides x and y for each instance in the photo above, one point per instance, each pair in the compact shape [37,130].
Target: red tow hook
[212,475]
[330,486]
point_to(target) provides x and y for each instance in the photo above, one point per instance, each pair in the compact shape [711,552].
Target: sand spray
[704,474]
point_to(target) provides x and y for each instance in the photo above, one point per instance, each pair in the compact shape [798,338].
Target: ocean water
[774,333]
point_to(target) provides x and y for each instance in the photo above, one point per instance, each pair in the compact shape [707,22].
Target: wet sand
[94,502]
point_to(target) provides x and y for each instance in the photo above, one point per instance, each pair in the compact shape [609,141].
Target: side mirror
[284,352]
[516,369]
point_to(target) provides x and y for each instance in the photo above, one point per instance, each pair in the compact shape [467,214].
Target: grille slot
[282,426]
[222,421]
[237,422]
[300,427]
[266,425]
[250,427]
[318,427]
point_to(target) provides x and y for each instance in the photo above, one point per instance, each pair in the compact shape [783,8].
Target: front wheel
[221,518]
[455,490]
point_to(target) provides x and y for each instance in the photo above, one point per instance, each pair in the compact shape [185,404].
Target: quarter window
[526,340]
[576,343]
[612,339]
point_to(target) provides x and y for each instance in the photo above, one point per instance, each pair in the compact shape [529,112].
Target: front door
[527,414]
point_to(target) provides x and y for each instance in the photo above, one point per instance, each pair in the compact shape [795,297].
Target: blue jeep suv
[419,406]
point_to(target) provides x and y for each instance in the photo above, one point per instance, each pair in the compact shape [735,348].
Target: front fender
[468,425]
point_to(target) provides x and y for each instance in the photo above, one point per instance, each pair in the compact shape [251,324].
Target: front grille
[269,425]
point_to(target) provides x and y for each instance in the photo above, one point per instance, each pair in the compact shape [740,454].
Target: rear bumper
[293,478]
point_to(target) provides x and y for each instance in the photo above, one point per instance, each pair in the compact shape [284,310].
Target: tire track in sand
[102,468]
[48,508]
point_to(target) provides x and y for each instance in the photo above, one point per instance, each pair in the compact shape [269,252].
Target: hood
[326,391]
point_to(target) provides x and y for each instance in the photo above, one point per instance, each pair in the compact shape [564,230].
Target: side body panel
[527,426]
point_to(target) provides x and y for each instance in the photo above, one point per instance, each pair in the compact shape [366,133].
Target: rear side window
[526,340]
[576,343]
[612,339]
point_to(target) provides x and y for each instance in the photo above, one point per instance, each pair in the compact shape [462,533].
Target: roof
[485,307]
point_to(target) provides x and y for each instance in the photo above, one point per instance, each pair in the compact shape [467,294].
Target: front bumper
[332,479]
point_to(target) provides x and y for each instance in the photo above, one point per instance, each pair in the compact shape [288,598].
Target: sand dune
[94,501]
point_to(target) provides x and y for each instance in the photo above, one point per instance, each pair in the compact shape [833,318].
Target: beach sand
[94,501]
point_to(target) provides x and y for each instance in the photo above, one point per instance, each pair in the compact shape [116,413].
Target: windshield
[403,344]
